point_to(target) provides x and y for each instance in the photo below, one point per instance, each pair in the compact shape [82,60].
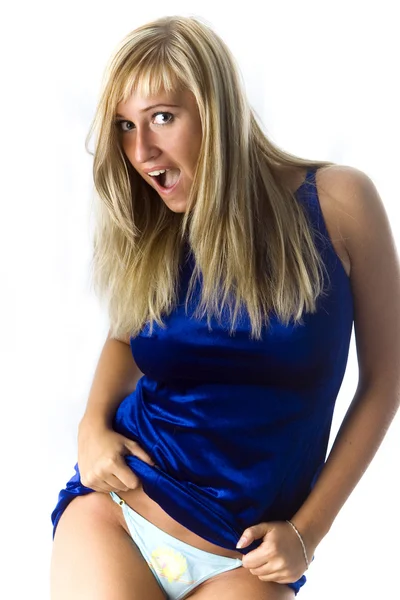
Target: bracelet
[301,540]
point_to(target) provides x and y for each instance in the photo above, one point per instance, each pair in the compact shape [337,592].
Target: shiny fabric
[239,428]
[178,567]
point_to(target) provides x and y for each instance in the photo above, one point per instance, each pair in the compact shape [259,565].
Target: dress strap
[308,194]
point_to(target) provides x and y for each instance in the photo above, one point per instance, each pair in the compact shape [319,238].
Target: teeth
[155,173]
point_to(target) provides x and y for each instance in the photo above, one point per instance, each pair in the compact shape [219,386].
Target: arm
[375,281]
[101,450]
[115,377]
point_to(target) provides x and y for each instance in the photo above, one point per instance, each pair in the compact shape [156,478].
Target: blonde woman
[232,273]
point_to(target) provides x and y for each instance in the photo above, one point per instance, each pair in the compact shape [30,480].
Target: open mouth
[161,179]
[165,182]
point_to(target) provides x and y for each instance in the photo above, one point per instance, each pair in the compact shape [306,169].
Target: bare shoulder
[333,184]
[350,196]
[336,186]
[341,182]
[346,190]
[351,206]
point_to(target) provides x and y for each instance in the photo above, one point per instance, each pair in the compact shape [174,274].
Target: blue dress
[238,428]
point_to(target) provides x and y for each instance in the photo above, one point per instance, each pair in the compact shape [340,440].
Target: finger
[252,533]
[255,559]
[116,484]
[106,483]
[279,577]
[136,450]
[126,478]
[106,487]
[269,566]
[93,483]
[262,571]
[273,577]
[100,486]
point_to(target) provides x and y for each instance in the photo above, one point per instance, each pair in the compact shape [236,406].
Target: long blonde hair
[252,241]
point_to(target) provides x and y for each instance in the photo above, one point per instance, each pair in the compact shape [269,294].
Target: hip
[140,502]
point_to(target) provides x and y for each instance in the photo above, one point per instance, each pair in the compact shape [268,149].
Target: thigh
[240,584]
[95,558]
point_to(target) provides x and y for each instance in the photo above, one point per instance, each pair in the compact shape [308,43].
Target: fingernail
[242,542]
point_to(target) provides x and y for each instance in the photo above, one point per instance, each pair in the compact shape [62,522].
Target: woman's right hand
[101,452]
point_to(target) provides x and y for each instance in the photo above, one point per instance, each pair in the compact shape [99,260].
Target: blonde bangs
[152,76]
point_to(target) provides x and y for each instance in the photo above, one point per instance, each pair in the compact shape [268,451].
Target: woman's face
[162,132]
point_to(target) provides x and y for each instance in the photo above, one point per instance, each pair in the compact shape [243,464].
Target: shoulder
[352,204]
[341,190]
[343,183]
[347,188]
[375,269]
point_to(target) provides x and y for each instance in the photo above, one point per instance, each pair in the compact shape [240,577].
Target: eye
[120,123]
[164,113]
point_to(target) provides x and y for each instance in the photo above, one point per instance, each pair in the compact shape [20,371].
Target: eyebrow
[150,107]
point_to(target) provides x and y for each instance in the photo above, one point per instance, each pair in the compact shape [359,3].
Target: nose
[144,149]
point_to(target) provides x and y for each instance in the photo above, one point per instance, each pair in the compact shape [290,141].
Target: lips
[158,168]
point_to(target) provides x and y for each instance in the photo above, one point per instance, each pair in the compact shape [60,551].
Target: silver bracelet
[301,540]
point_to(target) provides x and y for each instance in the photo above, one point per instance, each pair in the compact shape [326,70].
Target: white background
[323,77]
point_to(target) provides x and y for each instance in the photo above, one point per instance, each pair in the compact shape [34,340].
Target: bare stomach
[150,510]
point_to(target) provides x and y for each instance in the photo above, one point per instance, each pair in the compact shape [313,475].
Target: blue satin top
[238,428]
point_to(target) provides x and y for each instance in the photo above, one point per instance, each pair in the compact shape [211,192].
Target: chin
[176,209]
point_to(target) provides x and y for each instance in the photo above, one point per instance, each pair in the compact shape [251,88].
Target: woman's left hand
[280,556]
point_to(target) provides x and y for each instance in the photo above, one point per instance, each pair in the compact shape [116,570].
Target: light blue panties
[178,567]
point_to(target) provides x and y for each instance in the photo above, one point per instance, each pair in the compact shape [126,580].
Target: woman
[232,273]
